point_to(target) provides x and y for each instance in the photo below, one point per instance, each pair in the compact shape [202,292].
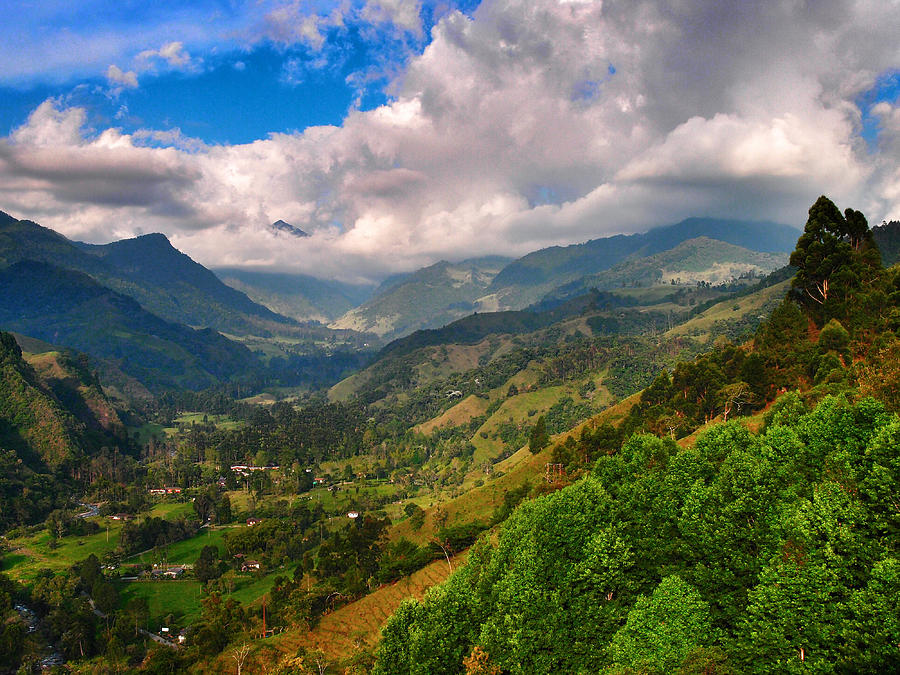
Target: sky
[401,132]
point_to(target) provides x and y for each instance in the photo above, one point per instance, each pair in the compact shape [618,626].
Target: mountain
[533,276]
[298,296]
[281,226]
[67,307]
[172,285]
[33,423]
[148,269]
[887,236]
[428,298]
[696,260]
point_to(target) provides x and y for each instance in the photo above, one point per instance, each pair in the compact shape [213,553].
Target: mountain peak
[153,238]
[281,226]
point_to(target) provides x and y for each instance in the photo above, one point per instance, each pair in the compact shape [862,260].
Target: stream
[53,657]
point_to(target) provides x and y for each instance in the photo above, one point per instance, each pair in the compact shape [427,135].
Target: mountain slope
[298,296]
[428,298]
[32,421]
[170,284]
[67,307]
[529,278]
[148,269]
[696,260]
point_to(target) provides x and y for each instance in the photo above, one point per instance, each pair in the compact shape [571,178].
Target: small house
[250,566]
[253,521]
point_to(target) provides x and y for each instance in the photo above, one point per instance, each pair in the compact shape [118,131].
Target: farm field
[31,553]
[180,598]
[183,552]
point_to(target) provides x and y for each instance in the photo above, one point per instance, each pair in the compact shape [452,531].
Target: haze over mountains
[433,296]
[154,318]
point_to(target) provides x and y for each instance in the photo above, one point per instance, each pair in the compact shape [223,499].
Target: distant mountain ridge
[281,226]
[700,259]
[298,296]
[528,279]
[428,298]
[437,295]
[147,268]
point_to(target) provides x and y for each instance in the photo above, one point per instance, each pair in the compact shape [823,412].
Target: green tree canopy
[663,629]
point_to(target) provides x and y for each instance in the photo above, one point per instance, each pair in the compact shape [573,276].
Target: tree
[479,663]
[105,596]
[663,629]
[820,251]
[203,506]
[834,337]
[394,648]
[539,438]
[733,397]
[207,566]
[416,515]
[240,655]
[223,511]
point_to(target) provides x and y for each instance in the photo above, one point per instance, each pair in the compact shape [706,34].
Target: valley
[312,498]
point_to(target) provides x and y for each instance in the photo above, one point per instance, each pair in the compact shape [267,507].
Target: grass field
[360,622]
[172,510]
[146,432]
[187,551]
[180,598]
[470,407]
[515,409]
[757,303]
[188,418]
[33,553]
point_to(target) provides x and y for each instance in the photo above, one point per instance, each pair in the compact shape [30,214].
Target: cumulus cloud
[526,125]
[293,23]
[121,79]
[404,14]
[172,53]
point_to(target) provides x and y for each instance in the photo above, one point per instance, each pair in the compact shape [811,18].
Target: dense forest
[770,552]
[764,552]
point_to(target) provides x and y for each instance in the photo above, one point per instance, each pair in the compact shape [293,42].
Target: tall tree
[539,439]
[821,251]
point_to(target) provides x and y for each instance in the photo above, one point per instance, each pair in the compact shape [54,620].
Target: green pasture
[183,552]
[32,553]
[178,597]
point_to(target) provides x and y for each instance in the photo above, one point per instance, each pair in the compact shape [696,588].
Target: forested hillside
[147,269]
[735,551]
[769,552]
[53,417]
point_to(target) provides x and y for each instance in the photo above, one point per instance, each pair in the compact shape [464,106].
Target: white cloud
[173,53]
[293,23]
[529,124]
[121,79]
[403,14]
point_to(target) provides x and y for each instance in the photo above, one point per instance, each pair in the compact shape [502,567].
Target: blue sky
[238,78]
[401,132]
